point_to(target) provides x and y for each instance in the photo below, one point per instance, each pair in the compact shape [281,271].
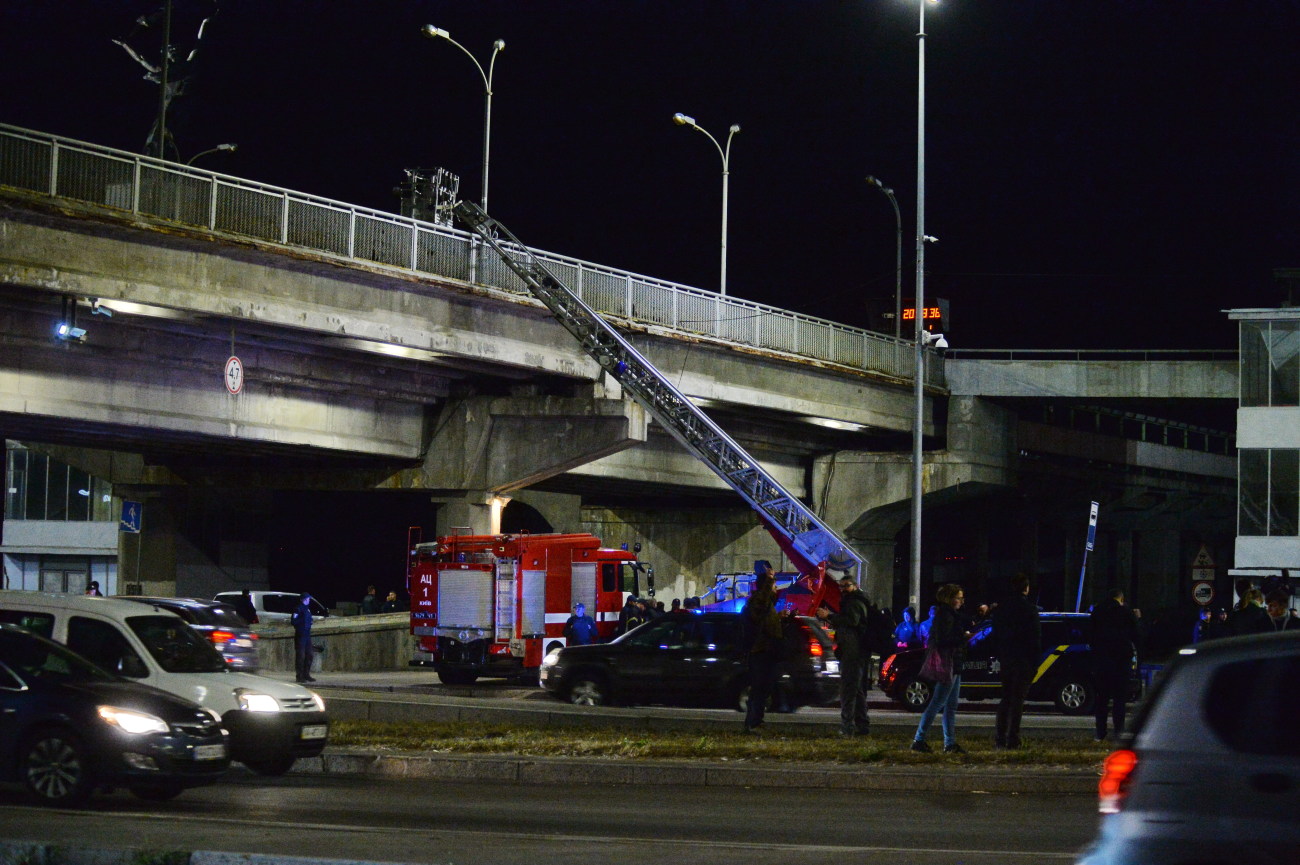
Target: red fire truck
[494,605]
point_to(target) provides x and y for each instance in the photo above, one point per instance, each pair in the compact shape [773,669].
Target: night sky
[1100,173]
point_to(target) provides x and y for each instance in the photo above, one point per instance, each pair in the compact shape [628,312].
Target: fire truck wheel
[457,677]
[588,690]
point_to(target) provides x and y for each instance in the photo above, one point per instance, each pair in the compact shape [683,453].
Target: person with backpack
[852,641]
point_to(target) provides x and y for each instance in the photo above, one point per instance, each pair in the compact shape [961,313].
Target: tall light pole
[682,120]
[898,256]
[497,47]
[914,589]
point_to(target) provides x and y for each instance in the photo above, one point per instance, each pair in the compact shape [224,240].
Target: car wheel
[588,690]
[916,695]
[55,768]
[157,792]
[457,677]
[1073,696]
[273,767]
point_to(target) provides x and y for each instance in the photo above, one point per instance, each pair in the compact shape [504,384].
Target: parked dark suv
[690,659]
[1064,675]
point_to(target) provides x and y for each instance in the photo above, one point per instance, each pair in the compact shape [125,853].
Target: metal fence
[62,167]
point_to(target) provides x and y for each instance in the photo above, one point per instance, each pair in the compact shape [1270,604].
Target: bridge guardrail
[65,168]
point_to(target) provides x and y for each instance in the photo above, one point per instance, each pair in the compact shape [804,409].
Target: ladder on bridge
[805,536]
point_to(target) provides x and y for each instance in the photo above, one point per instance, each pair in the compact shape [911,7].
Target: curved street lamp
[683,120]
[898,256]
[438,33]
[228,147]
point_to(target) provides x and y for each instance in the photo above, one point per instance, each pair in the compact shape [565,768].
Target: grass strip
[794,747]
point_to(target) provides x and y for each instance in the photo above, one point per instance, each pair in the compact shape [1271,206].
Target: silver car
[1210,772]
[219,624]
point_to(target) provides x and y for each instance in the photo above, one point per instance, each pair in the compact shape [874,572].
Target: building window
[1270,363]
[1269,492]
[41,488]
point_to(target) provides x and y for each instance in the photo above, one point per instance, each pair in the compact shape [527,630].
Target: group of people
[370,602]
[580,628]
[1258,611]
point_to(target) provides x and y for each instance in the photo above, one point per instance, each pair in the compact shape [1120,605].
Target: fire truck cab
[494,605]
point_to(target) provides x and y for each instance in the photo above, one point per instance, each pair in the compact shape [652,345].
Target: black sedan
[68,728]
[690,659]
[1063,677]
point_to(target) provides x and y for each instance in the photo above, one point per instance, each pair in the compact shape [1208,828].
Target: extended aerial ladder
[801,534]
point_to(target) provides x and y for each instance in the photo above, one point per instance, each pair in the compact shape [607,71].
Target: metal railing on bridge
[69,169]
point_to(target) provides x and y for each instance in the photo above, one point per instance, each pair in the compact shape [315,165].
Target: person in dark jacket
[370,602]
[580,629]
[1019,637]
[850,625]
[947,636]
[244,606]
[1250,617]
[631,616]
[1280,614]
[763,624]
[302,648]
[1113,642]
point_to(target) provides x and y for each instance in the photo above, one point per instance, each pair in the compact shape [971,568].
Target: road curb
[563,771]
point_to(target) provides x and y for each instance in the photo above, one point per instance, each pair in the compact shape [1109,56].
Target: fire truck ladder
[784,514]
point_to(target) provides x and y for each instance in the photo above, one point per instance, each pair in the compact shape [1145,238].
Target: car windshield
[33,659]
[175,646]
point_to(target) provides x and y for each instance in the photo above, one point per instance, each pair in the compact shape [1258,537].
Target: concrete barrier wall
[351,643]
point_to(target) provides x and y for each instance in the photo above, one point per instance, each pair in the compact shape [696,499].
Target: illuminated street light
[228,148]
[683,120]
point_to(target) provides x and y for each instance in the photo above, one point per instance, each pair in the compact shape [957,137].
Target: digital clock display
[927,313]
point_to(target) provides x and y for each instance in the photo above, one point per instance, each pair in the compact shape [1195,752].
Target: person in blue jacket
[580,629]
[302,648]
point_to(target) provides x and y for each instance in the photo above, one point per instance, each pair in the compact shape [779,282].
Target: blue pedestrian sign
[132,512]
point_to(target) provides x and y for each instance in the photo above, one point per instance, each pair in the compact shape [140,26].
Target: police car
[1063,677]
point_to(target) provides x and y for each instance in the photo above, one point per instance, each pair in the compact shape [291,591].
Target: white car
[1210,771]
[274,606]
[271,723]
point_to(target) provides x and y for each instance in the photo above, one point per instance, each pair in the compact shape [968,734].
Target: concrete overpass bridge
[373,362]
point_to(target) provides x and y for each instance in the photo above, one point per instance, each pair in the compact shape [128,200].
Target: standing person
[370,603]
[391,604]
[245,607]
[763,624]
[1019,636]
[905,636]
[580,629]
[947,636]
[93,589]
[1280,614]
[1250,617]
[1114,640]
[302,648]
[631,616]
[850,625]
[923,629]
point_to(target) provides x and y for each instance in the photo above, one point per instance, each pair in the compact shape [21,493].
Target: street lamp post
[683,120]
[438,33]
[898,256]
[914,589]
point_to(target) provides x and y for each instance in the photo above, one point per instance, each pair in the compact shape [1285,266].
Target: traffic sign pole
[1092,542]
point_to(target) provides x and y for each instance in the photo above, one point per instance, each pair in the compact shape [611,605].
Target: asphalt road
[393,820]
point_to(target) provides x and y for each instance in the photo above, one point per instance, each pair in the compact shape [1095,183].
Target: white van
[271,723]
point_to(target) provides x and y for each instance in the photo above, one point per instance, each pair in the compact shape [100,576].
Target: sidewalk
[415,696]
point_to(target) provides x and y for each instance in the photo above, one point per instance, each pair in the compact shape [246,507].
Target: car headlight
[318,700]
[552,658]
[254,701]
[129,721]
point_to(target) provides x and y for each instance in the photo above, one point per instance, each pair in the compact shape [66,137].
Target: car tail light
[814,646]
[1116,773]
[220,637]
